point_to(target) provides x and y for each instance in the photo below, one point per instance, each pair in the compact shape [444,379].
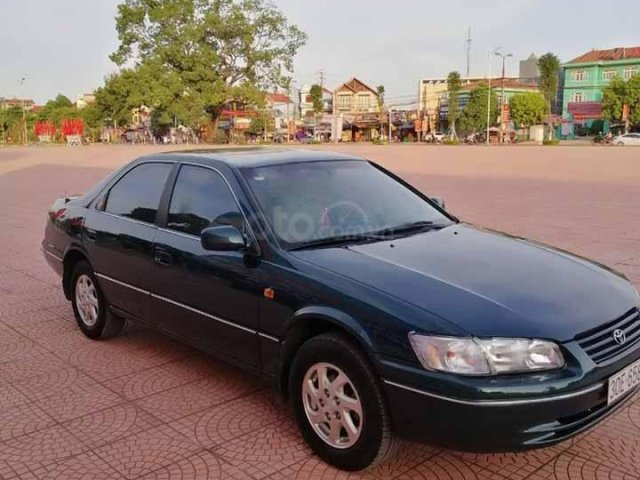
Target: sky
[62,46]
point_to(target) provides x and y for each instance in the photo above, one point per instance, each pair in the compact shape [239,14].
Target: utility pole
[502,102]
[468,45]
[419,133]
[321,74]
[22,82]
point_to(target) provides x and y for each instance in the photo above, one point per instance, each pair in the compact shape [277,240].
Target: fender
[72,248]
[291,340]
[335,316]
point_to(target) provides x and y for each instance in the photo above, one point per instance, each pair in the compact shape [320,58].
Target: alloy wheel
[332,405]
[87,300]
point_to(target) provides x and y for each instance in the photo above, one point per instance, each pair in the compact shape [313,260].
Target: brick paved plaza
[143,406]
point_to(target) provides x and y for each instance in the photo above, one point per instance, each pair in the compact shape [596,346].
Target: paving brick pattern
[143,406]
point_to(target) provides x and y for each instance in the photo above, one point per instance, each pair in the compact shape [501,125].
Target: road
[143,406]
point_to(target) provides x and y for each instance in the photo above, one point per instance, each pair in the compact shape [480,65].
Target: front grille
[599,343]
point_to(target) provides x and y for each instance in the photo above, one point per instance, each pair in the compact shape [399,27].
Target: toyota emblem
[619,336]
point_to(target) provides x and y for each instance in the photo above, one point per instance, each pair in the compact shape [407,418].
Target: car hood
[487,283]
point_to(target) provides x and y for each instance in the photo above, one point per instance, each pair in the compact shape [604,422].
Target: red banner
[72,127]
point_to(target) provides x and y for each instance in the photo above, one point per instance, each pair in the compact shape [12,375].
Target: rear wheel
[620,143]
[89,305]
[339,404]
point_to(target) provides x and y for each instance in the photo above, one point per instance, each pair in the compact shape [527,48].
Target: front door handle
[162,257]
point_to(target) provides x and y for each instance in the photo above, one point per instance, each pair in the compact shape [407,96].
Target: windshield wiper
[332,241]
[407,228]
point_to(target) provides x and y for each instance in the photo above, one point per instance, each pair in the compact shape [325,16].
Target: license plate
[623,381]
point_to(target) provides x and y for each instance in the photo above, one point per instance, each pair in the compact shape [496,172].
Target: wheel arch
[73,255]
[311,321]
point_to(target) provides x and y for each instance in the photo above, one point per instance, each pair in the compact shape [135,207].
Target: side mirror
[223,238]
[438,201]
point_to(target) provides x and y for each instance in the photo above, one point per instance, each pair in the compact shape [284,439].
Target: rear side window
[201,198]
[137,194]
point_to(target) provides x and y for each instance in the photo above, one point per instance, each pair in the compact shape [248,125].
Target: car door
[208,298]
[118,235]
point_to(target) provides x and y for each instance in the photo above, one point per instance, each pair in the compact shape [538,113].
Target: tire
[620,144]
[90,306]
[336,355]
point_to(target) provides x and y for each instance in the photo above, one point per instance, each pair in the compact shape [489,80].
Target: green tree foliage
[474,115]
[205,53]
[261,125]
[380,92]
[619,93]
[316,98]
[11,124]
[529,108]
[549,66]
[58,109]
[454,84]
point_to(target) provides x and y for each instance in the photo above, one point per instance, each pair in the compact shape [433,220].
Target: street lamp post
[504,58]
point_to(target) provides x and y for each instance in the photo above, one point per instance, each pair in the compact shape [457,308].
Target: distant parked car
[627,139]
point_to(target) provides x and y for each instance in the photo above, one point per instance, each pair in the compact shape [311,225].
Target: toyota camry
[376,312]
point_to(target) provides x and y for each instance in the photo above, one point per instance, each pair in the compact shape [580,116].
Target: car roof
[258,157]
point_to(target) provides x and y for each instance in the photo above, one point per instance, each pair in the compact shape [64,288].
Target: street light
[504,58]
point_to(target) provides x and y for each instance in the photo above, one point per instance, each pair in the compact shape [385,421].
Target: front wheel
[339,405]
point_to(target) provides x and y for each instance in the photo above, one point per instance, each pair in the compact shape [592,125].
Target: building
[141,117]
[306,102]
[358,105]
[280,107]
[432,99]
[84,100]
[529,70]
[510,87]
[354,96]
[587,75]
[27,103]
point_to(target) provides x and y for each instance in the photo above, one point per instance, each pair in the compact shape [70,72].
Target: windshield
[312,201]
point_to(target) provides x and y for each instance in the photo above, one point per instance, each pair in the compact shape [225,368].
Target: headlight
[475,356]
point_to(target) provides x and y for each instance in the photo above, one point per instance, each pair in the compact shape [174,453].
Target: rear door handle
[162,257]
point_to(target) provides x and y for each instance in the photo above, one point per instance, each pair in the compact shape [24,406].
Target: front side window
[629,72]
[312,201]
[137,194]
[363,102]
[201,198]
[608,74]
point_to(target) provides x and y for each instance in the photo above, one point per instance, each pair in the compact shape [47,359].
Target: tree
[549,66]
[619,93]
[474,115]
[380,92]
[529,108]
[316,98]
[207,53]
[454,84]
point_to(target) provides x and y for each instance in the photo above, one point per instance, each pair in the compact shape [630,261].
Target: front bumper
[497,414]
